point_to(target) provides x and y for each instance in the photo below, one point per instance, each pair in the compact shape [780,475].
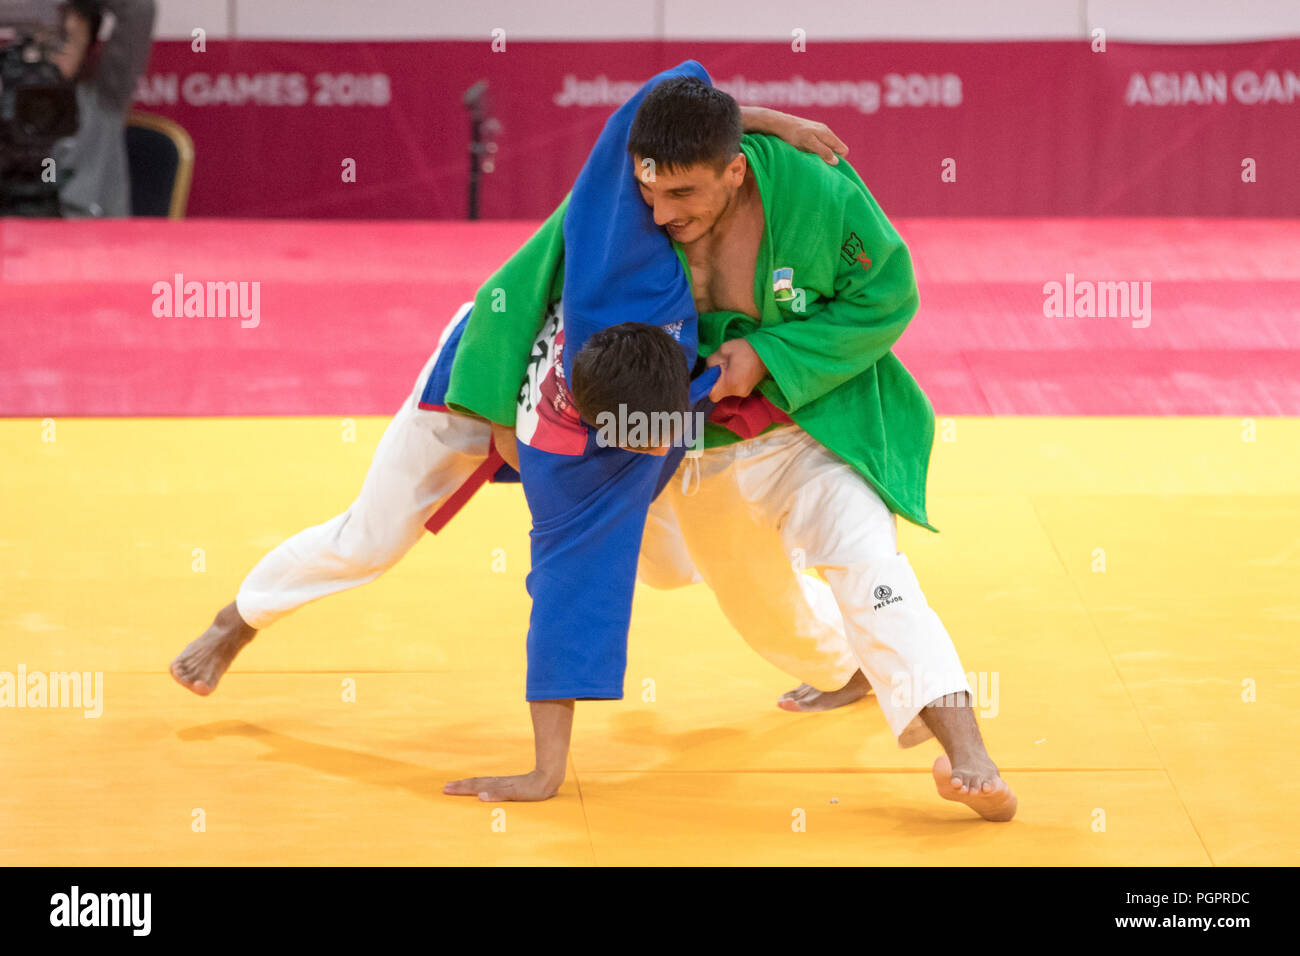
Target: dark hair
[638,366]
[683,121]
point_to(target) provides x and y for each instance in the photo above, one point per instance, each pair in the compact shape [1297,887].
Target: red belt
[482,474]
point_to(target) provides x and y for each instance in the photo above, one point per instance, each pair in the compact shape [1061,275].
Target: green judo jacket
[834,287]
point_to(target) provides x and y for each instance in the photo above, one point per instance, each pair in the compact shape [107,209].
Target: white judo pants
[422,458]
[757,512]
[761,511]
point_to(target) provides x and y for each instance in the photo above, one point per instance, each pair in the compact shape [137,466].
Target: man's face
[688,202]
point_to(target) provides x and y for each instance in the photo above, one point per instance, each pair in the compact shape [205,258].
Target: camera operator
[92,168]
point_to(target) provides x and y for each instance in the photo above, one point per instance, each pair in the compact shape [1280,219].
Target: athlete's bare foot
[527,787]
[205,659]
[976,783]
[807,699]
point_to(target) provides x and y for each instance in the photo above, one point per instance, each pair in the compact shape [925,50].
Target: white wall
[176,18]
[872,19]
[1183,21]
[446,19]
[1195,21]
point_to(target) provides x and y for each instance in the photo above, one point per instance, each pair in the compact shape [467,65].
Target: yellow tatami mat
[1125,591]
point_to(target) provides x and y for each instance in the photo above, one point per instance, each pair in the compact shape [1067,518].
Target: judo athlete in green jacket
[427,455]
[803,286]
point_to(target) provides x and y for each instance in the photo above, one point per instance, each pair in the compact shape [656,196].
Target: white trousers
[757,513]
[760,512]
[422,458]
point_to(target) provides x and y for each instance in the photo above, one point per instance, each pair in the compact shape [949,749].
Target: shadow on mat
[740,746]
[423,781]
[733,748]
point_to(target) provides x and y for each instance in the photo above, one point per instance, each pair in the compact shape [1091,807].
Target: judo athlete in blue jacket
[589,498]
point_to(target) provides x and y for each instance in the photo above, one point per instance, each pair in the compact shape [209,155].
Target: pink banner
[378,130]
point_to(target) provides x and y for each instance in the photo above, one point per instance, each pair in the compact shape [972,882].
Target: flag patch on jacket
[783,284]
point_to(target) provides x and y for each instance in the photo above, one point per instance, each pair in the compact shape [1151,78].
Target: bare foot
[976,783]
[807,699]
[525,786]
[205,659]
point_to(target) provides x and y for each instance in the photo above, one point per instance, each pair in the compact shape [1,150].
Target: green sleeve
[845,334]
[508,313]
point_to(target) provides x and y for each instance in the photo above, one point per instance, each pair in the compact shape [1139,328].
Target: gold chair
[160,159]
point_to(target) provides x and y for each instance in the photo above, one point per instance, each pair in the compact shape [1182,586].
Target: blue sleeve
[589,515]
[589,512]
[618,265]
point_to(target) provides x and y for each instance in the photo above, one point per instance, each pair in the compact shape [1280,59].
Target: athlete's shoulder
[793,172]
